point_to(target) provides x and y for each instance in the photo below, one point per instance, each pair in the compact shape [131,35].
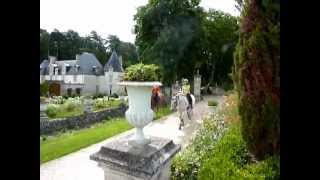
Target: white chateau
[83,76]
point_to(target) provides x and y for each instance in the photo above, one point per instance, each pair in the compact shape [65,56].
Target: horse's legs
[181,121]
[188,113]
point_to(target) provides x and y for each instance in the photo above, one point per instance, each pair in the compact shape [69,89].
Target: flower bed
[219,152]
[60,107]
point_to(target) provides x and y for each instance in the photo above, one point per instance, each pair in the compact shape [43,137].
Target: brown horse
[157,99]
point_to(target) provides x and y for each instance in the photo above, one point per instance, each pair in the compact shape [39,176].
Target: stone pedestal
[122,161]
[197,87]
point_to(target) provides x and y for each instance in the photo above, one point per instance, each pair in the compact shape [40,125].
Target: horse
[180,102]
[157,100]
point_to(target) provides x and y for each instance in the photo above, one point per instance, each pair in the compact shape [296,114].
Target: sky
[104,16]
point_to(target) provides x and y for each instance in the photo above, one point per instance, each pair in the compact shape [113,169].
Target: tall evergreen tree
[257,78]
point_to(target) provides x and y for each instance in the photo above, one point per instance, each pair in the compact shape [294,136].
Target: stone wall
[50,126]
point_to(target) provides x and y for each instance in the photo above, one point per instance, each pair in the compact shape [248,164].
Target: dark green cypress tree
[256,75]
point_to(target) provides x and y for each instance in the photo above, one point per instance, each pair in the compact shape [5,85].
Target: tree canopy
[181,37]
[65,45]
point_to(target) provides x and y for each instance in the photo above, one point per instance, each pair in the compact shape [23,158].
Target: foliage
[52,110]
[187,163]
[230,160]
[256,76]
[142,72]
[44,88]
[218,151]
[65,45]
[69,142]
[162,111]
[168,33]
[212,103]
[219,43]
[60,107]
[100,95]
[180,37]
[103,103]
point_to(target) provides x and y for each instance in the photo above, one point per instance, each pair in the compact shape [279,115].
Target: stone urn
[139,113]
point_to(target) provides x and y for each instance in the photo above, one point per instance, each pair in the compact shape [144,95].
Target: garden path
[78,166]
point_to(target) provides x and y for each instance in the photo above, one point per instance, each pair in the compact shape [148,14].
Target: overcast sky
[104,16]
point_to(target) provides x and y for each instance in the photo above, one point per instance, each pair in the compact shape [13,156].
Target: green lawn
[162,112]
[65,143]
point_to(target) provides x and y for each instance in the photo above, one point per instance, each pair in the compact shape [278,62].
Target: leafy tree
[44,44]
[44,88]
[127,50]
[256,76]
[56,41]
[167,34]
[219,43]
[113,43]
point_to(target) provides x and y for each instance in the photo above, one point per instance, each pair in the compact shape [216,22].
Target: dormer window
[77,68]
[68,67]
[94,69]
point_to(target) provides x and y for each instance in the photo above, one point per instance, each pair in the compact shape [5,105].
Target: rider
[186,91]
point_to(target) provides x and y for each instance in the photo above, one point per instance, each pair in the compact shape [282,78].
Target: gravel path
[78,166]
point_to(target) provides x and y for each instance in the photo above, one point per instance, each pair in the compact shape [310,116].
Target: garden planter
[139,113]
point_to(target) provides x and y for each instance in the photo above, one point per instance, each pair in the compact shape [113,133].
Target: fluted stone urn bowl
[139,113]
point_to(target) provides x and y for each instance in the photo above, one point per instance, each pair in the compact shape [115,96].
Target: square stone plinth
[120,160]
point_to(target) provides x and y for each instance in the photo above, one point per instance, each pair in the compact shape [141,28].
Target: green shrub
[218,151]
[99,95]
[142,72]
[187,163]
[60,107]
[212,103]
[103,103]
[52,110]
[230,160]
[227,86]
[44,88]
[58,100]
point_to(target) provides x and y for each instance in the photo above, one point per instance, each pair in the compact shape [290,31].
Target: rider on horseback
[186,91]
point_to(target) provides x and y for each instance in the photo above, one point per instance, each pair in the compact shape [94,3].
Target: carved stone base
[122,161]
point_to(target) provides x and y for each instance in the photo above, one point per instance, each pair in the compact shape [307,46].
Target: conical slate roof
[44,67]
[87,61]
[114,63]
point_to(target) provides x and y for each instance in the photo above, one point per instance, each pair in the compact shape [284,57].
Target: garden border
[48,127]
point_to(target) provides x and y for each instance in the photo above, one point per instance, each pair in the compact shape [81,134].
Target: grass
[163,111]
[65,114]
[107,105]
[68,142]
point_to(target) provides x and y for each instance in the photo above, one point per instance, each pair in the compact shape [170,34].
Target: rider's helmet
[185,81]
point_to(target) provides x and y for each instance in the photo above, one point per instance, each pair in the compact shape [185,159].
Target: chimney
[52,59]
[120,60]
[77,56]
